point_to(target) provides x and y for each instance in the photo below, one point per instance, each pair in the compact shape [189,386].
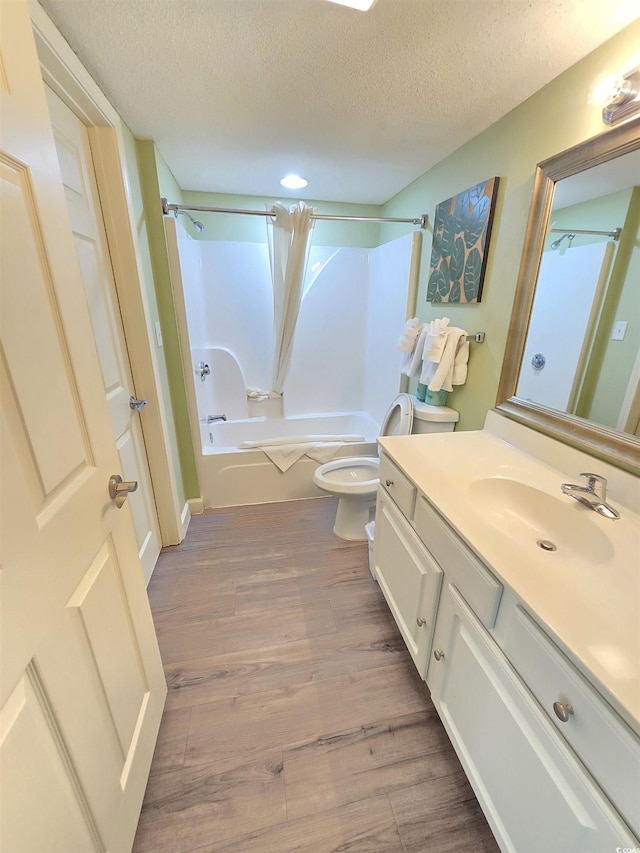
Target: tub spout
[213,418]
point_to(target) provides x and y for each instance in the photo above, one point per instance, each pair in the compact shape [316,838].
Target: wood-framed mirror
[567,371]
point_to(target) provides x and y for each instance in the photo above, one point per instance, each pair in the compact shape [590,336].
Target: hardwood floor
[295,719]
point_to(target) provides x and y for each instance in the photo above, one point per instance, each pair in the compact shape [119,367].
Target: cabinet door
[409,578]
[534,793]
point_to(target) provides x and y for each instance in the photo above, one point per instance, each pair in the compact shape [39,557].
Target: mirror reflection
[582,350]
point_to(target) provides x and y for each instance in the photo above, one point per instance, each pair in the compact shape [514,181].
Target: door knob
[438,654]
[420,621]
[563,710]
[119,489]
[136,405]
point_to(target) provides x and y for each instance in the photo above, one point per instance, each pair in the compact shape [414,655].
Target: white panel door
[81,682]
[81,191]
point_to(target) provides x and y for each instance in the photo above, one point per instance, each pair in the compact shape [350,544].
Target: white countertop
[586,596]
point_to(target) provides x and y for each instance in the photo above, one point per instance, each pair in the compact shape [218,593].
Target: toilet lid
[399,418]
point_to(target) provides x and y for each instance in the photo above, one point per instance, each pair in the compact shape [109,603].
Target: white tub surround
[531,655]
[344,358]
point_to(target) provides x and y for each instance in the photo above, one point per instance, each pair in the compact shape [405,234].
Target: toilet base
[351,516]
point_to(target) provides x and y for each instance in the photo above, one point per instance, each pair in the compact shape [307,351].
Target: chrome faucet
[593,495]
[213,418]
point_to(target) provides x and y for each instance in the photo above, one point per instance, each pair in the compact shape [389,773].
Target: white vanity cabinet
[554,767]
[532,788]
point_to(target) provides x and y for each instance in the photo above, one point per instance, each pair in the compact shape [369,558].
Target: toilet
[354,479]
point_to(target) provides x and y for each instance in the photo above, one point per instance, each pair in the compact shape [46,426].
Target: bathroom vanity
[520,609]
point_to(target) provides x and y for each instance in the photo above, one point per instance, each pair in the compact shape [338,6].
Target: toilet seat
[352,475]
[399,417]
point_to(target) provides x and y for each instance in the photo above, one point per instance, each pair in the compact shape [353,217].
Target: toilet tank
[428,418]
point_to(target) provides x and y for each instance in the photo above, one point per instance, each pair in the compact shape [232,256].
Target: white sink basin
[528,516]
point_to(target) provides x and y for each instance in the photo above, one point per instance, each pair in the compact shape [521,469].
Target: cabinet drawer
[398,485]
[476,583]
[603,742]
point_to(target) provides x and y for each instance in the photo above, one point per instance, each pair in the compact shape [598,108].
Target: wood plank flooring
[295,719]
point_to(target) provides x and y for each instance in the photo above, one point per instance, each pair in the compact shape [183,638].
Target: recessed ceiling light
[361,5]
[293,182]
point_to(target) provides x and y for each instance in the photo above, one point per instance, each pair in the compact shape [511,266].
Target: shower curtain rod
[615,234]
[176,208]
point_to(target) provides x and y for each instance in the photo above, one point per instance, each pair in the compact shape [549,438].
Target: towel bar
[478,337]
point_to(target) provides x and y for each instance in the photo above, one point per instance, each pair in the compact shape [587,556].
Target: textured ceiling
[237,93]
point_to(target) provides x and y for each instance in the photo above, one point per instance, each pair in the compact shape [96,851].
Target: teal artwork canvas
[461,232]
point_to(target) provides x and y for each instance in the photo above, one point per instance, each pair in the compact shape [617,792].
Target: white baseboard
[196,505]
[185,518]
[193,506]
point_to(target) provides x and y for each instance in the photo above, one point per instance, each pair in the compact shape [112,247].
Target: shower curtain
[288,251]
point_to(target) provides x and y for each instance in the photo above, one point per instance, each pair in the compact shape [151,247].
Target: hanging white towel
[410,332]
[298,439]
[284,451]
[453,361]
[412,362]
[460,363]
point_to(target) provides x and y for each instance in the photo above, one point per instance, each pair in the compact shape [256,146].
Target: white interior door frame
[64,73]
[630,409]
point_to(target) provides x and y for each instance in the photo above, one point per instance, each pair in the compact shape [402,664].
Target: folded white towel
[410,332]
[256,394]
[412,362]
[285,455]
[435,340]
[299,439]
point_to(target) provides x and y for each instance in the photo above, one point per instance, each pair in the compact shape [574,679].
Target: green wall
[156,182]
[555,118]
[598,214]
[252,229]
[144,242]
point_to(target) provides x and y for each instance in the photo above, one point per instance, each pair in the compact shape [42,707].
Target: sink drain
[546,545]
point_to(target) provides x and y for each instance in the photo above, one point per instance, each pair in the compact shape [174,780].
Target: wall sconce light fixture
[623,99]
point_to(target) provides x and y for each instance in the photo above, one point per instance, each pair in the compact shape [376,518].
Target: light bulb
[360,5]
[293,182]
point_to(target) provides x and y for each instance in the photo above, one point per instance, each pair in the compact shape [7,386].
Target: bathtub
[233,477]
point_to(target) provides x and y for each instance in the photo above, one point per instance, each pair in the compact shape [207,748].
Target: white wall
[328,360]
[386,314]
[191,268]
[561,311]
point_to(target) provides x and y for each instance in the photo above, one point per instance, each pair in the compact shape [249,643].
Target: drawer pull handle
[389,482]
[438,655]
[562,712]
[420,621]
